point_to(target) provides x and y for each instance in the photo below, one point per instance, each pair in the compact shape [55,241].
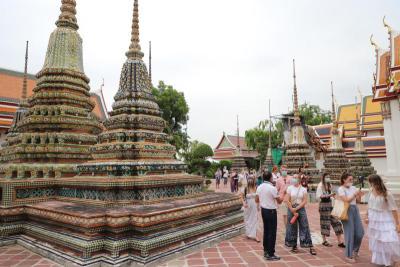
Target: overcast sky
[227,56]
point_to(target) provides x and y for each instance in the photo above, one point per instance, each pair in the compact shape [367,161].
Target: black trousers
[270,224]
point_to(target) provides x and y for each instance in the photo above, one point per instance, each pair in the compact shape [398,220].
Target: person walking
[324,195]
[251,218]
[353,228]
[218,176]
[268,198]
[296,200]
[275,174]
[232,176]
[383,224]
[282,184]
[225,176]
[242,181]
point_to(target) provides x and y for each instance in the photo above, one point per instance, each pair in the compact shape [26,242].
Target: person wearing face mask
[296,200]
[324,195]
[268,199]
[353,228]
[282,184]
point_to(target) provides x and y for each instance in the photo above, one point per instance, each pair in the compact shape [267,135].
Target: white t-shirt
[267,194]
[348,192]
[296,193]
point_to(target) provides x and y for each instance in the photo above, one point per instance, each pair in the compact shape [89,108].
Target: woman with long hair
[383,223]
[324,195]
[251,217]
[353,228]
[296,200]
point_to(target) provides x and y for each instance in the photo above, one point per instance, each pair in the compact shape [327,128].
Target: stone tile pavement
[17,256]
[241,252]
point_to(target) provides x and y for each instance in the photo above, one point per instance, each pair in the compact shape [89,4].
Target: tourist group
[279,193]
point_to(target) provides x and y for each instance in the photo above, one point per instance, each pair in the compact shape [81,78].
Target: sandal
[326,244]
[341,245]
[313,252]
[294,250]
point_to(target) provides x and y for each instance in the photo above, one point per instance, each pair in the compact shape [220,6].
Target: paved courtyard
[235,252]
[241,252]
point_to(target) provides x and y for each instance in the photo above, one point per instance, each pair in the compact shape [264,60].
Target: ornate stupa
[238,162]
[298,152]
[268,162]
[360,163]
[56,132]
[133,203]
[336,161]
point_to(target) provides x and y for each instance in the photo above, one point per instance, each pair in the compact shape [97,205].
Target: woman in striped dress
[324,195]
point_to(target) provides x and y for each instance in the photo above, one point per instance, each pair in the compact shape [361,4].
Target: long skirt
[384,241]
[300,228]
[353,231]
[253,219]
[326,220]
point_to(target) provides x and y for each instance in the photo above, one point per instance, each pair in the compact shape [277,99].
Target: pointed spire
[67,17]
[270,124]
[24,94]
[134,51]
[237,132]
[151,80]
[295,100]
[333,107]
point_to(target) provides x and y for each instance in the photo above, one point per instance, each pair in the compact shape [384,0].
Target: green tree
[314,115]
[202,151]
[175,112]
[258,137]
[196,158]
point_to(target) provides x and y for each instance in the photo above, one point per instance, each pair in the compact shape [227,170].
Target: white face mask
[349,184]
[294,181]
[327,180]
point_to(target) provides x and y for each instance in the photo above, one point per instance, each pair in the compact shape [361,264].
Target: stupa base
[124,260]
[75,234]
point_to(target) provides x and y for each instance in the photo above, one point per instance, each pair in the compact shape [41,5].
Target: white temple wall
[379,165]
[392,139]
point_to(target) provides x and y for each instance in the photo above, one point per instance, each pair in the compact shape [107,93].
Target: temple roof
[11,93]
[387,74]
[226,148]
[371,120]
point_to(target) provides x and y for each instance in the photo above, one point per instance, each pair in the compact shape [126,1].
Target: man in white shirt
[268,198]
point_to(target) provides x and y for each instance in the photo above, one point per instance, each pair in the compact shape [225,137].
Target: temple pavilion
[87,194]
[386,92]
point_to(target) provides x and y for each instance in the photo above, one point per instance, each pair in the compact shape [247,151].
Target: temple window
[14,174]
[27,174]
[52,174]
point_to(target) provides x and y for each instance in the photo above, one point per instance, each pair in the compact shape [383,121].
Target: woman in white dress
[251,212]
[383,224]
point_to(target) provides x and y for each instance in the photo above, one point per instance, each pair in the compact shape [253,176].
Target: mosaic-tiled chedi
[336,162]
[360,164]
[298,152]
[133,201]
[58,129]
[238,162]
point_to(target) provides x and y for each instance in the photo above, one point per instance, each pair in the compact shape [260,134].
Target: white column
[392,139]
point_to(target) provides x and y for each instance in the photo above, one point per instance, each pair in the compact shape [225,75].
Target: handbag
[340,209]
[294,218]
